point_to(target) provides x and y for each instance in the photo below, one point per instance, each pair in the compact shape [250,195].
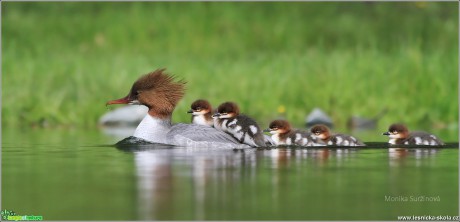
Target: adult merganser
[322,132]
[242,127]
[201,111]
[160,92]
[400,135]
[283,134]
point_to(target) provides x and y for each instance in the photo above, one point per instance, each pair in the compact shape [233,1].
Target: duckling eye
[198,109]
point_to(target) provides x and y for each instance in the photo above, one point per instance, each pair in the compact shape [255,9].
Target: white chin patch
[134,102]
[198,113]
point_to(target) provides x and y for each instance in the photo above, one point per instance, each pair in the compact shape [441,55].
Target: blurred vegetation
[62,61]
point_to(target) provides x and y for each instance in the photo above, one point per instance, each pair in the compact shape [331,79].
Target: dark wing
[423,138]
[258,136]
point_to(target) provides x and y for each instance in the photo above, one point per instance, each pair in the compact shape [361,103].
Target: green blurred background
[62,61]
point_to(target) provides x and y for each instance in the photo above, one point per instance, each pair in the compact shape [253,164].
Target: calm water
[74,175]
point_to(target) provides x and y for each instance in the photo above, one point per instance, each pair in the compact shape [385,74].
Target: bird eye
[198,109]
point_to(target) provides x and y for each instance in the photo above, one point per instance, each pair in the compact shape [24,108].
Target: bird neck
[153,129]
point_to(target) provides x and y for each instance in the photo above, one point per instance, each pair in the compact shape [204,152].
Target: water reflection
[163,171]
[158,183]
[282,157]
[398,156]
[154,183]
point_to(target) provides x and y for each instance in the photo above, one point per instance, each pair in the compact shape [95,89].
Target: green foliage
[63,61]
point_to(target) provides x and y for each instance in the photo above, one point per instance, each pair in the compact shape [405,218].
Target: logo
[6,213]
[11,215]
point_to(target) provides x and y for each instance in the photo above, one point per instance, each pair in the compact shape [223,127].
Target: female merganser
[160,92]
[283,134]
[400,135]
[201,111]
[322,132]
[242,127]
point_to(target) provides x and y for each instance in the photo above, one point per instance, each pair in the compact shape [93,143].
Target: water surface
[75,175]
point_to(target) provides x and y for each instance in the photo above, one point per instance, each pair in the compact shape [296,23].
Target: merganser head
[200,107]
[159,91]
[320,131]
[227,110]
[278,127]
[397,131]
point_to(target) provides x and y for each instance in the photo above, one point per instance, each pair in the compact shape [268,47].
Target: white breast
[276,139]
[392,141]
[152,129]
[200,120]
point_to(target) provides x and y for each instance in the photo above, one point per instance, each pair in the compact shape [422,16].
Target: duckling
[322,132]
[241,127]
[283,134]
[201,111]
[400,135]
